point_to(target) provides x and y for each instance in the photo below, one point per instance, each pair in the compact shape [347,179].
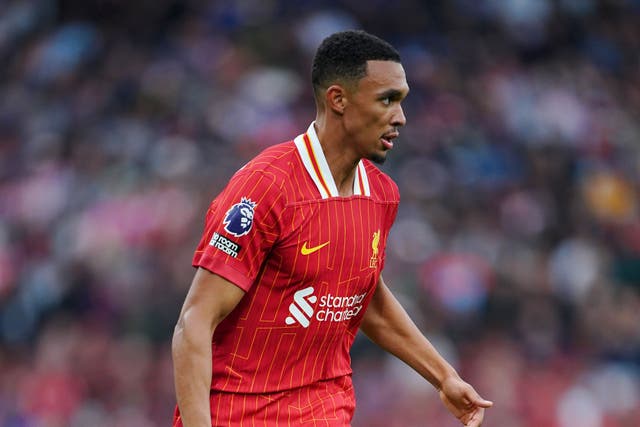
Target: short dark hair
[343,57]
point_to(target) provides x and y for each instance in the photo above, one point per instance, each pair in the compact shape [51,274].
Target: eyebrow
[393,94]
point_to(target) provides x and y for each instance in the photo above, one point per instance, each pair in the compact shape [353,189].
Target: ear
[336,98]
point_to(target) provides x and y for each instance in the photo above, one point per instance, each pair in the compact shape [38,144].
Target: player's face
[374,113]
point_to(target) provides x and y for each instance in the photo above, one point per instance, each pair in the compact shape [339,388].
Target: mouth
[387,139]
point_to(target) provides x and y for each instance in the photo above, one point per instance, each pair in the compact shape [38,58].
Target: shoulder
[274,162]
[268,174]
[273,158]
[382,186]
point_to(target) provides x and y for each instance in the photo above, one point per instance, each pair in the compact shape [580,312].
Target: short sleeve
[241,226]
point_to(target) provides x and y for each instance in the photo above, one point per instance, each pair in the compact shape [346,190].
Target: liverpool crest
[375,242]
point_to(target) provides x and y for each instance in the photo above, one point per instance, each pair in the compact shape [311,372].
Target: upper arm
[242,225]
[210,299]
[375,311]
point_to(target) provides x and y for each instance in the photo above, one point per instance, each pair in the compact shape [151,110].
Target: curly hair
[342,57]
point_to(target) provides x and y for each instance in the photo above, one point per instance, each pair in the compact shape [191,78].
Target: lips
[387,139]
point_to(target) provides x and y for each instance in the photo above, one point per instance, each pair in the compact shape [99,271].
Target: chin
[378,158]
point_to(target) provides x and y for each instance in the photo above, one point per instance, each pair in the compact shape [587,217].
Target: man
[289,266]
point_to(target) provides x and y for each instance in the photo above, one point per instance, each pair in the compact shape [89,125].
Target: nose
[398,118]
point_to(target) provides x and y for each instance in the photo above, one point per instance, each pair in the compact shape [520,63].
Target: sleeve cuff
[228,273]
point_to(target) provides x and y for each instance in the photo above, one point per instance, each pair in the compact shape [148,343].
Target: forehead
[384,75]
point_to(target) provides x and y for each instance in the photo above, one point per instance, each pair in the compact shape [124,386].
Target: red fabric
[269,343]
[323,404]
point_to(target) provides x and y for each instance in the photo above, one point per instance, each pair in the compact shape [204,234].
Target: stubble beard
[378,158]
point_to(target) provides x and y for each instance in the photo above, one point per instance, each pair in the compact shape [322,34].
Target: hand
[463,401]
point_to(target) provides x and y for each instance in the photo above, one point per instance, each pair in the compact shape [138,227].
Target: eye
[386,101]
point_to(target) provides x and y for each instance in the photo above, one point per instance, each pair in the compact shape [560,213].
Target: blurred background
[517,244]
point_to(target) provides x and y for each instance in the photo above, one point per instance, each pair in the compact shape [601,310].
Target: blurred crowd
[517,243]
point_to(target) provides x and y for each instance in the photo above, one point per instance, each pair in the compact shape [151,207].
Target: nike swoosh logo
[306,251]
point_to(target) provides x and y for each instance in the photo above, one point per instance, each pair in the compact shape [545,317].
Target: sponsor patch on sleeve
[227,246]
[239,219]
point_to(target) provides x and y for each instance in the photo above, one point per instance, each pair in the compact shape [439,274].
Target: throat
[345,183]
[345,192]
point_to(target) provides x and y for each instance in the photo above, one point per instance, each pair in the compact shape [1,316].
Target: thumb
[483,403]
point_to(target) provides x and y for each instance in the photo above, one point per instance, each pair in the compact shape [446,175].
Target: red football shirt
[309,261]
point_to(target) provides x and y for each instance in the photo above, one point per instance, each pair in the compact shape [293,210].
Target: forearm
[191,349]
[209,300]
[388,325]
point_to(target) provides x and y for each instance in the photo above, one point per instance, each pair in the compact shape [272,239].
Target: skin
[388,325]
[354,116]
[352,121]
[209,300]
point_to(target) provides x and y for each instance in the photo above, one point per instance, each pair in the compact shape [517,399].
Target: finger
[479,401]
[483,403]
[473,423]
[476,419]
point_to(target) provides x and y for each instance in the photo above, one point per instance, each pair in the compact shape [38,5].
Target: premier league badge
[239,218]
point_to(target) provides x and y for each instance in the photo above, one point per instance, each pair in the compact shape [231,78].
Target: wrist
[445,376]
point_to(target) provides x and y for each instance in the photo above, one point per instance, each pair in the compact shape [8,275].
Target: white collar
[316,164]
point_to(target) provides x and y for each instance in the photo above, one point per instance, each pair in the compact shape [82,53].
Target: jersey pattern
[308,260]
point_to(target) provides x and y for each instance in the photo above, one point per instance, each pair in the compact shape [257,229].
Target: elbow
[191,330]
[178,335]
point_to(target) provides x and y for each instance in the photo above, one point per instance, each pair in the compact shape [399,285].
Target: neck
[342,161]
